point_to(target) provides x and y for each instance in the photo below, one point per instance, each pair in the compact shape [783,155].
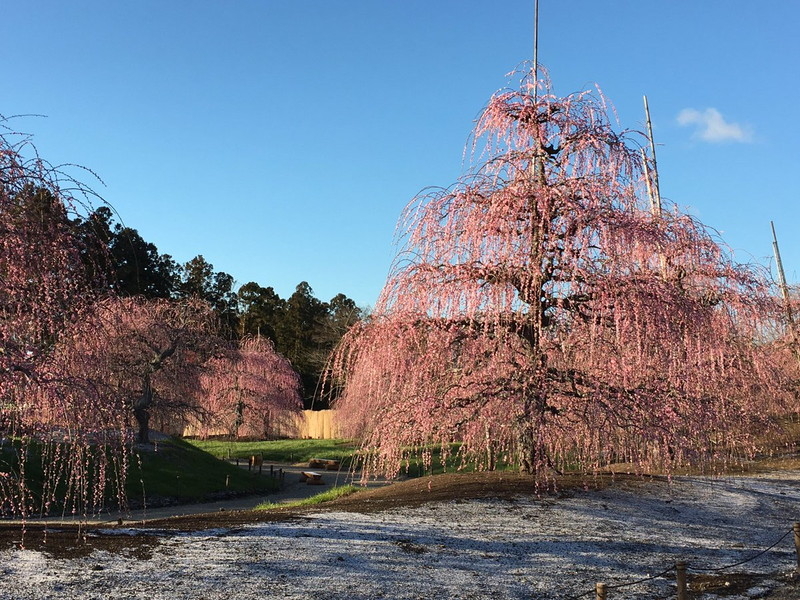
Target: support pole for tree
[537,168]
[651,179]
[535,49]
[656,198]
[647,181]
[787,301]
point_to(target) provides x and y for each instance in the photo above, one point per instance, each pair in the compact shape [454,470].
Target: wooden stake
[601,591]
[680,576]
[797,545]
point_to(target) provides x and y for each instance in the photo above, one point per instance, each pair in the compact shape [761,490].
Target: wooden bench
[311,478]
[324,463]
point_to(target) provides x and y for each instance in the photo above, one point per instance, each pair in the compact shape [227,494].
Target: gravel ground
[517,547]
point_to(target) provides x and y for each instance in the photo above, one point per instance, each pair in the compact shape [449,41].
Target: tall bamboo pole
[536,50]
[787,301]
[656,199]
[779,265]
[651,179]
[647,181]
[537,168]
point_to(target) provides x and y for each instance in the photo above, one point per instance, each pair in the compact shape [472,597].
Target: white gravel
[528,548]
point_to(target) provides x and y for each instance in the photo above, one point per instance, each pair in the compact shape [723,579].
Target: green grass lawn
[281,451]
[301,451]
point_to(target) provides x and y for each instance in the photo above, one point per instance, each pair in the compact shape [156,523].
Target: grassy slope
[170,472]
[181,471]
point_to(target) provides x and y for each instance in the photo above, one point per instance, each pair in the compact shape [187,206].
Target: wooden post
[601,590]
[227,481]
[680,576]
[797,544]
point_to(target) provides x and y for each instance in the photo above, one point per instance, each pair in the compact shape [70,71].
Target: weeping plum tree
[249,391]
[166,360]
[541,314]
[145,355]
[43,282]
[44,287]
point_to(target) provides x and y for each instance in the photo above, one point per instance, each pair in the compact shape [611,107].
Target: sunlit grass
[326,496]
[281,451]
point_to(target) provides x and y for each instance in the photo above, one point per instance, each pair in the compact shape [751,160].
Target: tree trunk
[141,411]
[239,420]
[142,416]
[528,451]
[532,453]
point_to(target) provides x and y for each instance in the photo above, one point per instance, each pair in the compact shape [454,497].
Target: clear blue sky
[281,139]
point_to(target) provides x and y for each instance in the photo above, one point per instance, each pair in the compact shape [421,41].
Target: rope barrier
[755,556]
[638,581]
[703,569]
[622,585]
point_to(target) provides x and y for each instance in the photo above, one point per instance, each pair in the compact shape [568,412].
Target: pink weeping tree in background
[105,375]
[142,364]
[250,391]
[145,357]
[45,287]
[540,313]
